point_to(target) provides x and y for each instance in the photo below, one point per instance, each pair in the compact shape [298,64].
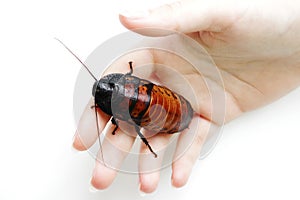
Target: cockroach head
[103,90]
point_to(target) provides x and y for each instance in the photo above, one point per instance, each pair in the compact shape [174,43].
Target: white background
[256,158]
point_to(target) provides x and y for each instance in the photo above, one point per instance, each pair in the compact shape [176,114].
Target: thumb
[183,16]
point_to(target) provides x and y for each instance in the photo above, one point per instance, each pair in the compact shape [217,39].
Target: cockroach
[140,103]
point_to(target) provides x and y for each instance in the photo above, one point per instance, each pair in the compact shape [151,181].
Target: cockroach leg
[131,69]
[114,122]
[145,141]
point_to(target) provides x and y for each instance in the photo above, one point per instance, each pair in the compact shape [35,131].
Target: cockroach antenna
[77,58]
[97,125]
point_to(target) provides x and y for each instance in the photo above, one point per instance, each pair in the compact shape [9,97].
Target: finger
[183,16]
[115,148]
[188,150]
[86,133]
[148,182]
[149,166]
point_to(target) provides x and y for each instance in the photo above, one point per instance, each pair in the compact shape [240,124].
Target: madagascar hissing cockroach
[140,103]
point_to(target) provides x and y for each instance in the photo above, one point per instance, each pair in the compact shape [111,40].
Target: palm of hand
[257,66]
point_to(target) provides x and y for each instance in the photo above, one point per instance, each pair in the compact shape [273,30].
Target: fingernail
[142,194]
[135,14]
[78,144]
[73,149]
[172,183]
[93,189]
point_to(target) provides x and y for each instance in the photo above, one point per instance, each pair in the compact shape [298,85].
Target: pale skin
[256,47]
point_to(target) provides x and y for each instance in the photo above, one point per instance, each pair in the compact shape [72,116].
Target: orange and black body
[142,104]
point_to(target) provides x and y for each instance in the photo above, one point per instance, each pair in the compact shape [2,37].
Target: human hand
[255,47]
[253,43]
